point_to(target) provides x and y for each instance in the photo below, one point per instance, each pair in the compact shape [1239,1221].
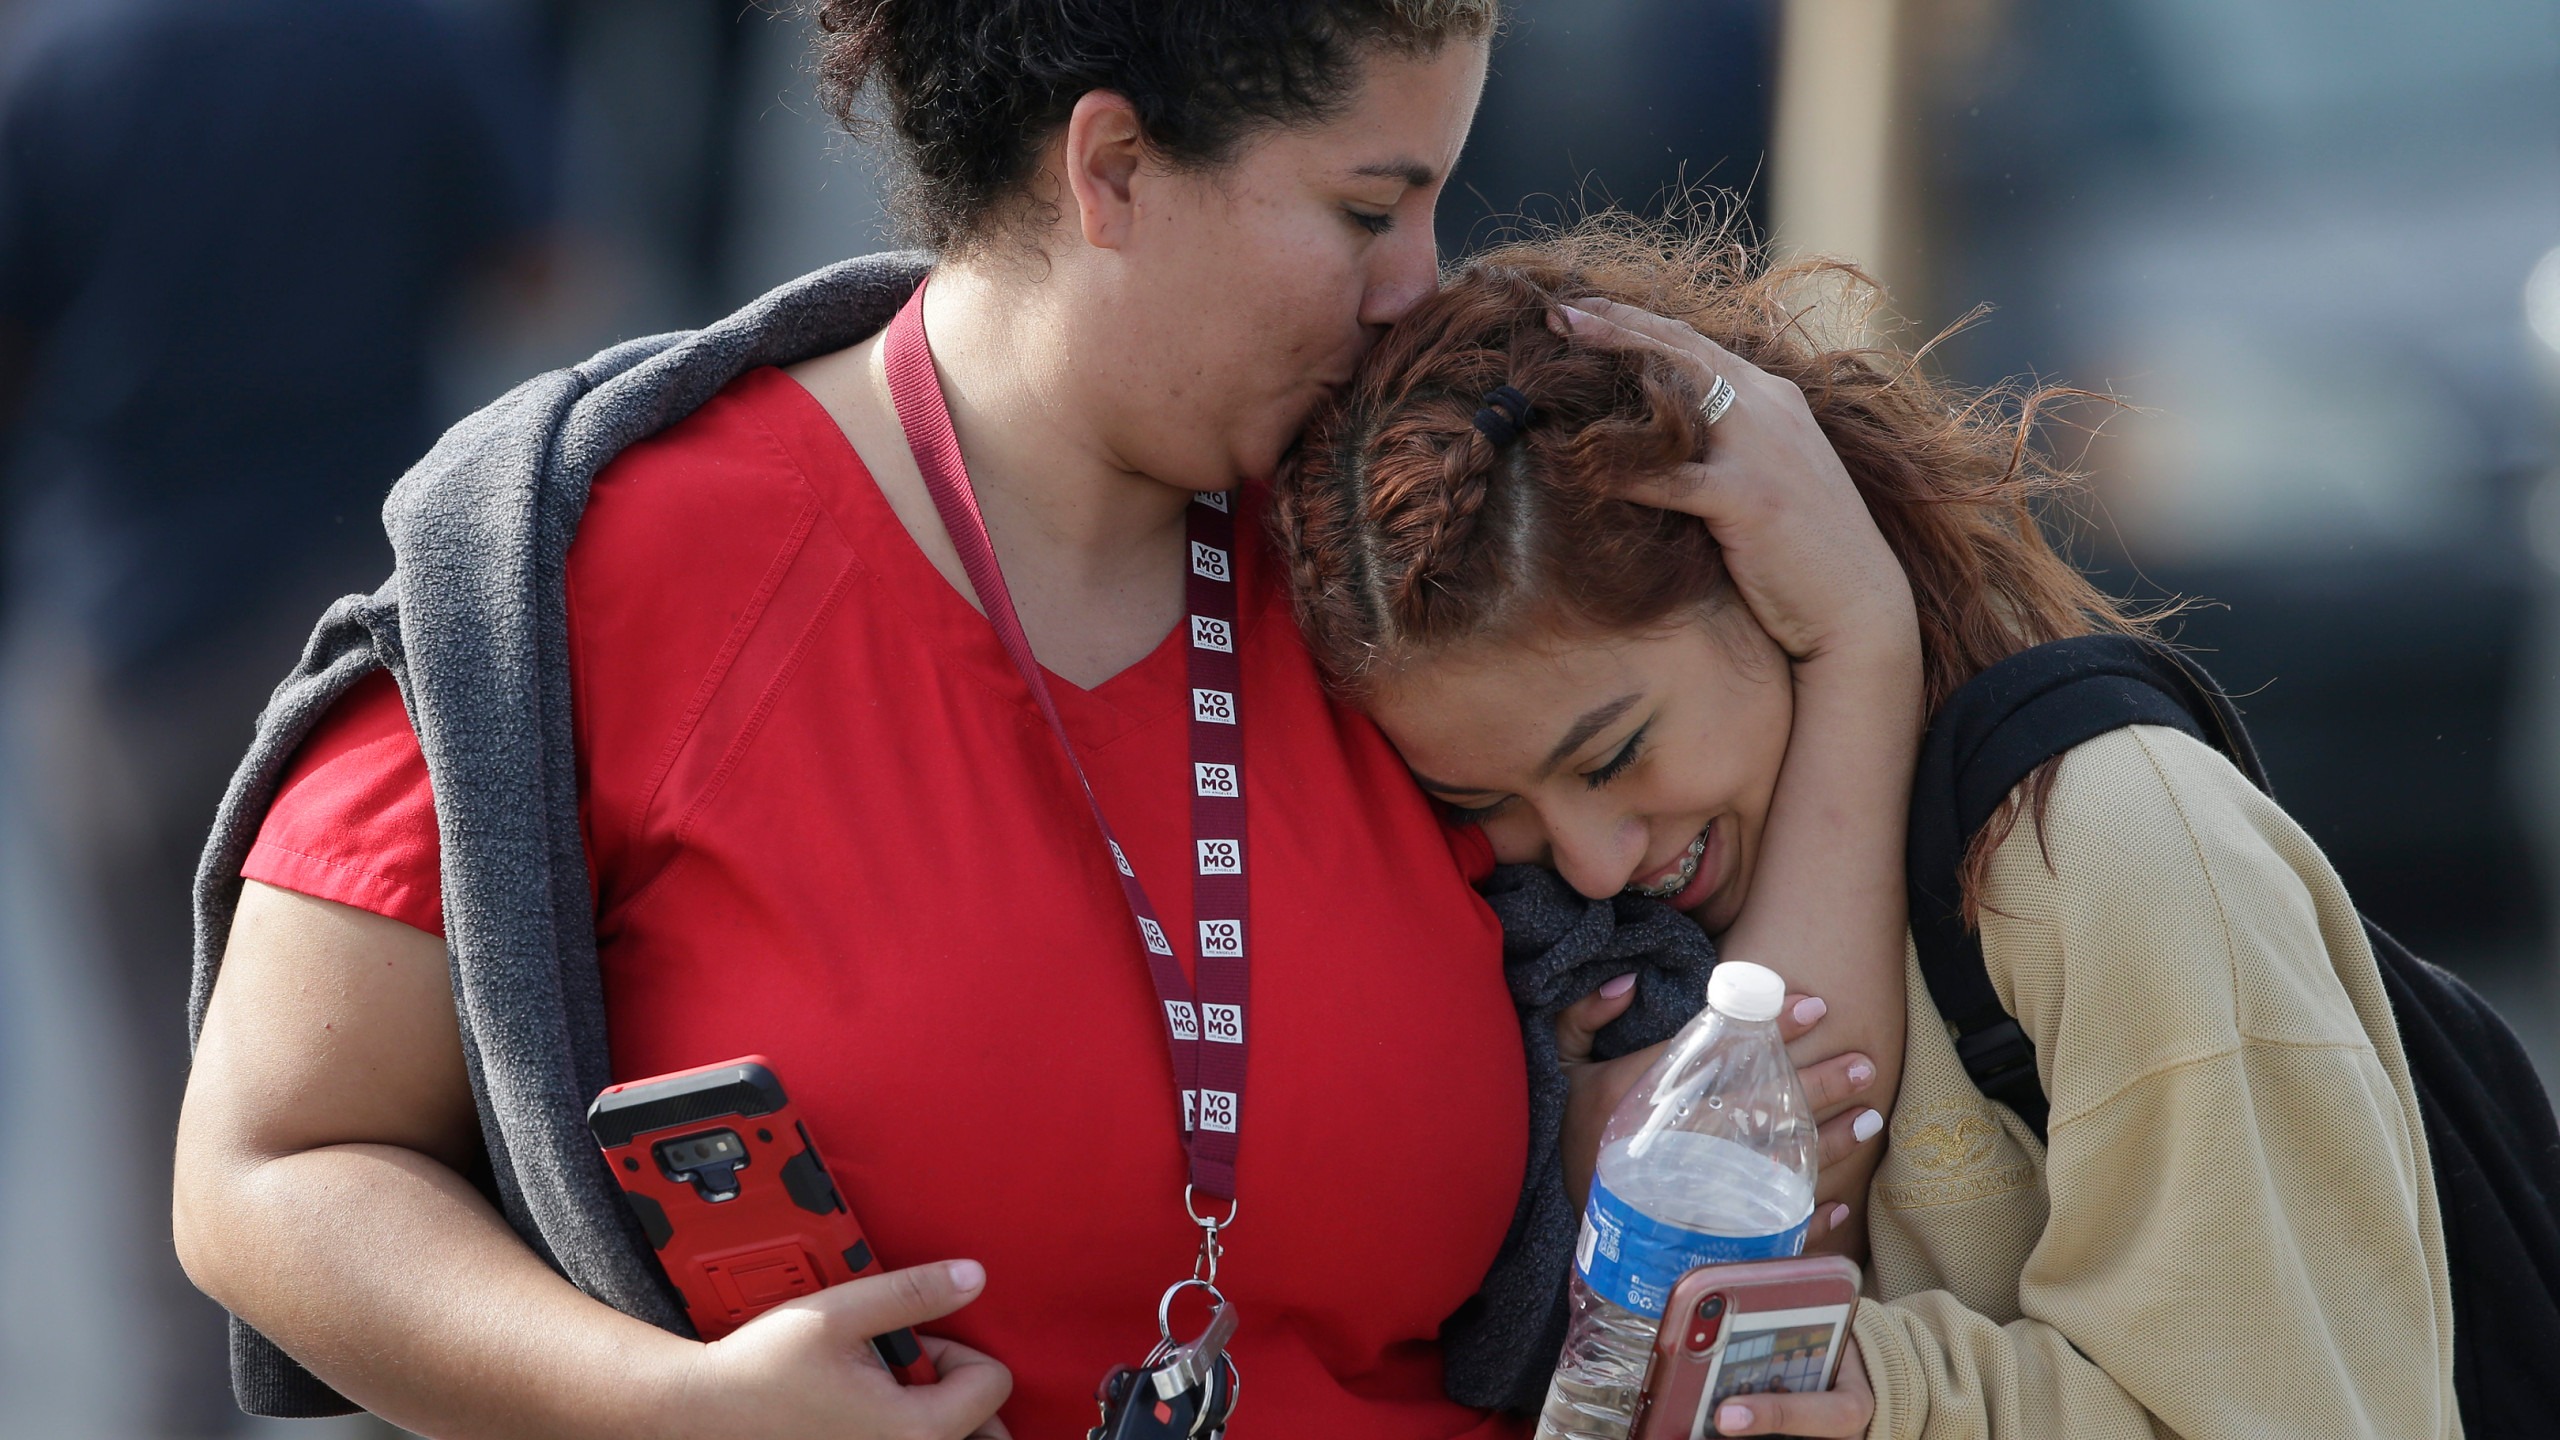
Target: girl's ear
[1101,152]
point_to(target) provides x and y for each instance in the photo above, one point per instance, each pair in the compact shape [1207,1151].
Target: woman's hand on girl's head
[806,1367]
[1802,548]
[1834,1087]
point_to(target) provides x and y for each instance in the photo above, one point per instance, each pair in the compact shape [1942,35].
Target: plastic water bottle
[1710,1158]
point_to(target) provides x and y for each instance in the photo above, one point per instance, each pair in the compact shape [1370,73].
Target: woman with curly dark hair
[717,707]
[1600,628]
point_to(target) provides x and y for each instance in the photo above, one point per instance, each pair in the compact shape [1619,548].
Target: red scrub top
[827,823]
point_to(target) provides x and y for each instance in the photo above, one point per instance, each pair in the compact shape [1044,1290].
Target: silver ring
[1719,400]
[1164,1307]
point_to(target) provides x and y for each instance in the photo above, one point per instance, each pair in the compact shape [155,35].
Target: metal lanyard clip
[1205,1269]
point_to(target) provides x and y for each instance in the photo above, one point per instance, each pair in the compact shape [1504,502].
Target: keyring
[1164,1307]
[1719,399]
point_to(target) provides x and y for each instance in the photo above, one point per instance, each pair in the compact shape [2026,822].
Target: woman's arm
[320,1197]
[1826,912]
[1826,907]
[1826,904]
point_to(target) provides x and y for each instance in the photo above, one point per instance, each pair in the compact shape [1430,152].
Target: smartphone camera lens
[1710,1320]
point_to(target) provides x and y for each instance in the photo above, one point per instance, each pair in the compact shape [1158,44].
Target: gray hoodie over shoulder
[473,627]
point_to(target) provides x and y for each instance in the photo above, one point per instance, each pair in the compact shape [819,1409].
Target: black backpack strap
[1987,739]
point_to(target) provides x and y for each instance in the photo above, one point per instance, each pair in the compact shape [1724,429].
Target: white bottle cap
[1746,991]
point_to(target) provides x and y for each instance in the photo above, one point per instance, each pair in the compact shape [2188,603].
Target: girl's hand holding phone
[1846,1409]
[1759,1347]
[805,1368]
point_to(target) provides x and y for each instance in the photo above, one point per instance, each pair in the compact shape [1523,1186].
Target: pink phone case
[1744,1329]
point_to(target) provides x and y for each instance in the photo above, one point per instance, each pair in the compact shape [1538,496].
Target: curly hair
[1408,532]
[974,89]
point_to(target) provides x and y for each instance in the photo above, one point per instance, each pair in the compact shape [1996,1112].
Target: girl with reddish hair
[1561,537]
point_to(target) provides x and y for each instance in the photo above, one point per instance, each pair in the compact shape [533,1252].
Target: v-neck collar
[1151,689]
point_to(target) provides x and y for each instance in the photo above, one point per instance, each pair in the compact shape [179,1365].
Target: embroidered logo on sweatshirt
[1947,1154]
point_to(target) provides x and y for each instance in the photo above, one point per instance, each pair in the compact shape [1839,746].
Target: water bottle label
[1632,1260]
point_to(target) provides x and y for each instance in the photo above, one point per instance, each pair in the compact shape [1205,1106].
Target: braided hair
[1410,526]
[1410,531]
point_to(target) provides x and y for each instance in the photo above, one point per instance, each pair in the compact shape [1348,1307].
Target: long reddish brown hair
[1407,531]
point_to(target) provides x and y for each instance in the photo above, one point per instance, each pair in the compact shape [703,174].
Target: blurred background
[254,253]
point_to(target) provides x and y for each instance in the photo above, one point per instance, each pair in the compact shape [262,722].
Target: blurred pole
[1842,168]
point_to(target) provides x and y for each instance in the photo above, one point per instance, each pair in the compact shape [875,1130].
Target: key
[1135,1408]
[1184,1392]
[1190,1366]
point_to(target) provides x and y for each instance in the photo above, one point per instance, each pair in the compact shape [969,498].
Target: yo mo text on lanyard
[1204,1028]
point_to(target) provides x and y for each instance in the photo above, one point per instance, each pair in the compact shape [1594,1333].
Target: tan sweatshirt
[2235,1231]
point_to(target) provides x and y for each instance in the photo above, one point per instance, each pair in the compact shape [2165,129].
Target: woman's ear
[1103,148]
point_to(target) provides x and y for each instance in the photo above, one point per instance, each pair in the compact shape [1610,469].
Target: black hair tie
[1505,414]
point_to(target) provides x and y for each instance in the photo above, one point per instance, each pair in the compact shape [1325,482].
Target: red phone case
[1746,1328]
[729,1187]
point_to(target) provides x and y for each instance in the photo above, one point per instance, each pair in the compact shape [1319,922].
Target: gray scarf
[473,627]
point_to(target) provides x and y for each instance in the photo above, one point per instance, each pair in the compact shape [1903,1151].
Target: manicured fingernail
[1839,1216]
[1576,318]
[1866,1125]
[1860,1072]
[1810,1009]
[1619,986]
[1732,1418]
[967,1275]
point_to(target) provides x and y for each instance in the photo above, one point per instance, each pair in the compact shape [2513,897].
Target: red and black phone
[726,1182]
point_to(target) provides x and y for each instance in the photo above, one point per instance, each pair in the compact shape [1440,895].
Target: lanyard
[1204,1029]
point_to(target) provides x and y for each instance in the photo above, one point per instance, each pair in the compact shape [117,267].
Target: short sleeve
[355,819]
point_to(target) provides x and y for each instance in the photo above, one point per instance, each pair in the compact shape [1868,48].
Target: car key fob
[1183,1392]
